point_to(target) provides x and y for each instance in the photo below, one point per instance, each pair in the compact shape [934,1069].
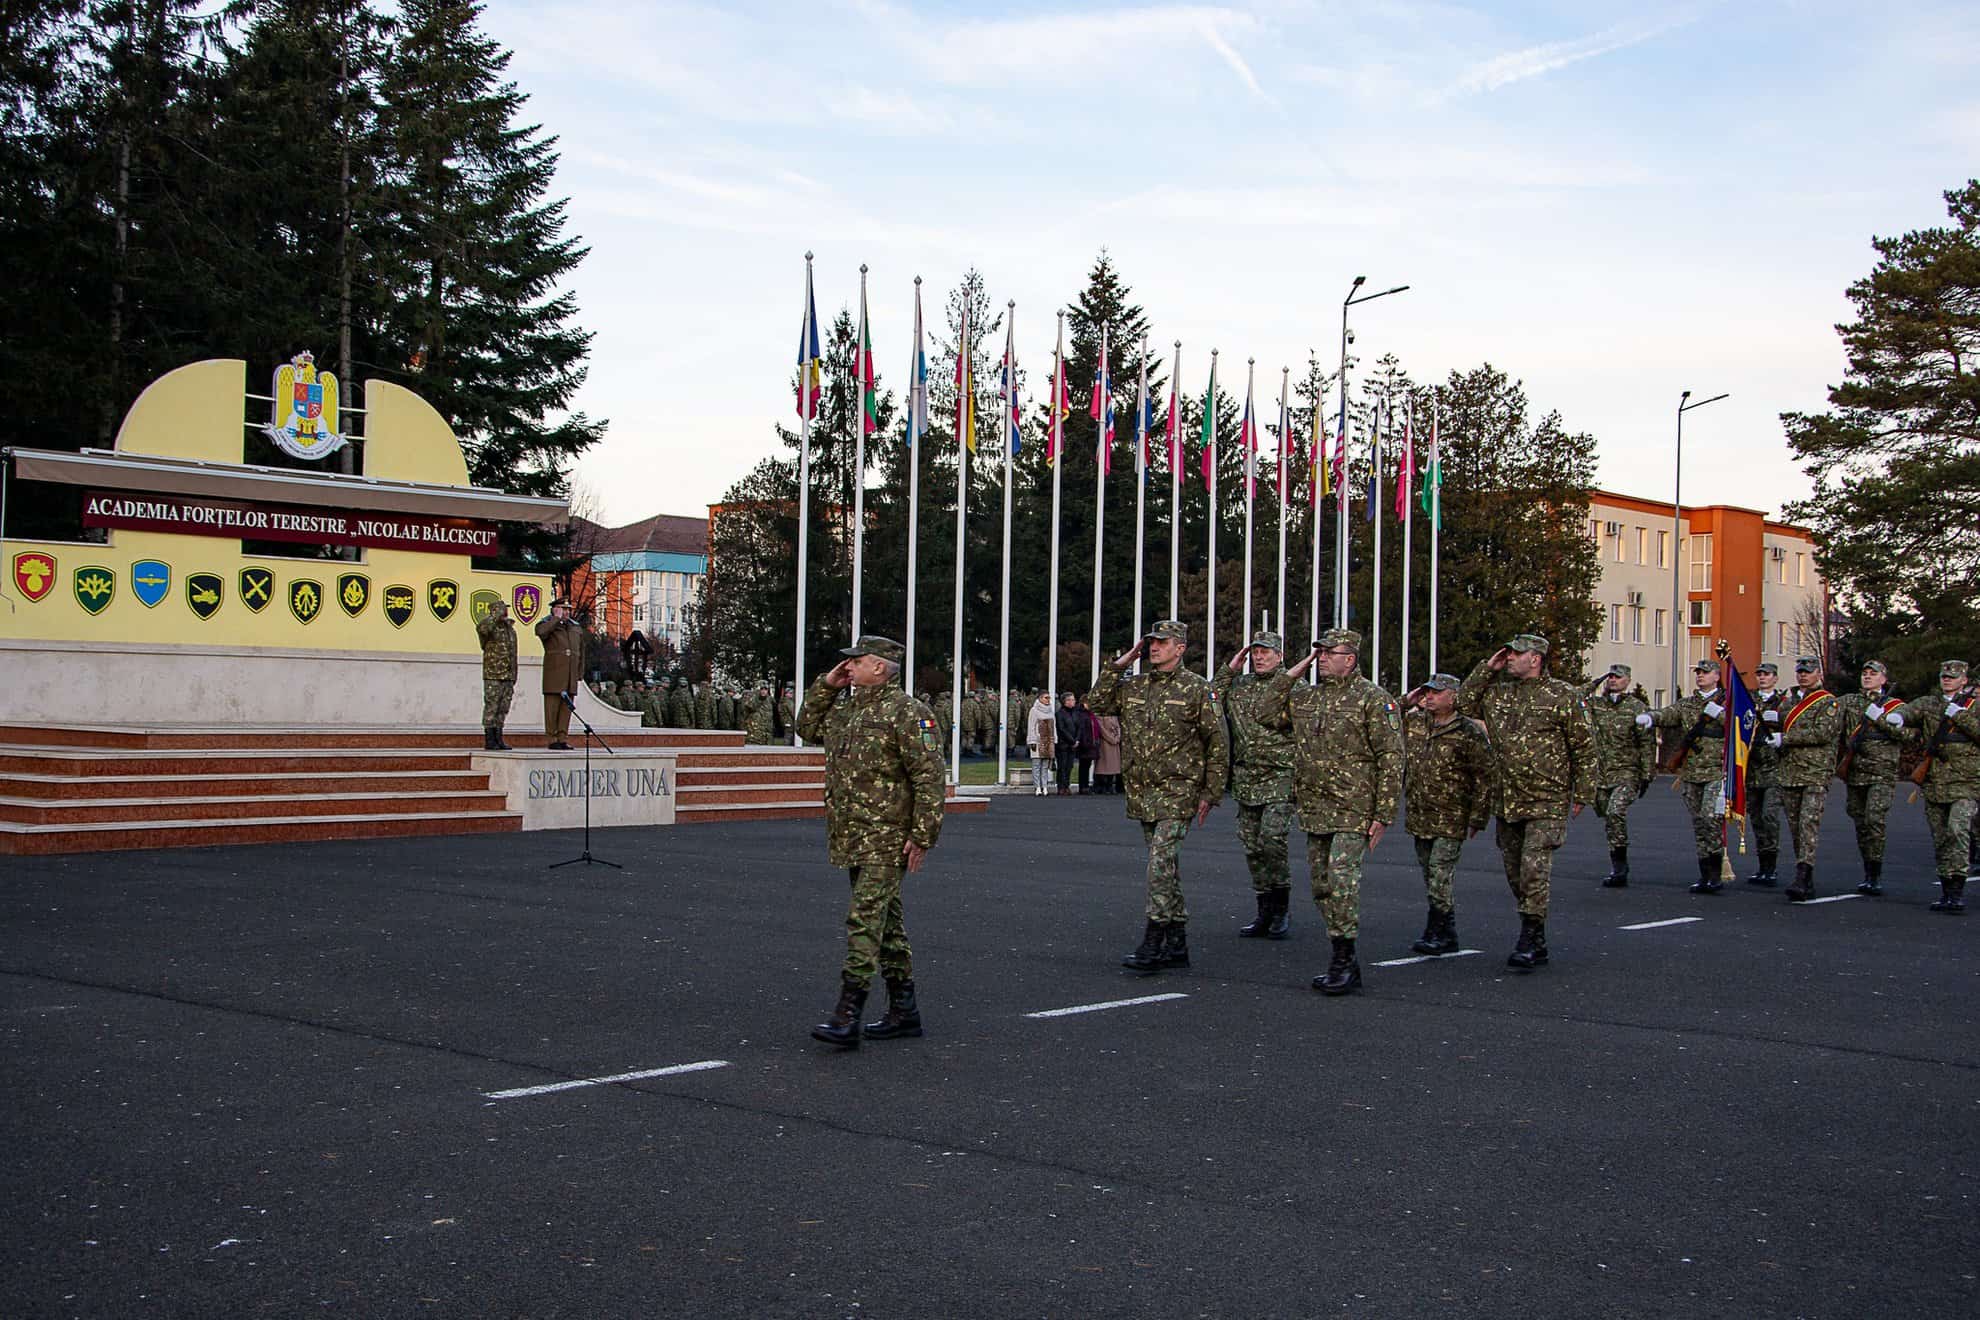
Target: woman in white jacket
[1038,737]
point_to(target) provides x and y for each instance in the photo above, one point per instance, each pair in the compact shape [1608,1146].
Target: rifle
[1924,767]
[1671,764]
[1854,743]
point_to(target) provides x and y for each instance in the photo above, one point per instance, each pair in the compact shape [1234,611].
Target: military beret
[1441,683]
[874,644]
[1528,642]
[1876,666]
[1807,664]
[1766,667]
[1953,669]
[1271,641]
[1618,671]
[1341,638]
[1173,630]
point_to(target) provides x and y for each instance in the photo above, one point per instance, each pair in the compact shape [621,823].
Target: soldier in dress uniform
[1948,725]
[883,812]
[498,673]
[1448,797]
[1806,745]
[1175,754]
[563,668]
[1544,754]
[1871,749]
[1763,793]
[1261,777]
[1698,723]
[1625,762]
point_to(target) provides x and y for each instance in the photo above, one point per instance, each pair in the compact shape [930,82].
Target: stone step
[93,761]
[393,782]
[168,738]
[96,811]
[727,776]
[39,840]
[718,758]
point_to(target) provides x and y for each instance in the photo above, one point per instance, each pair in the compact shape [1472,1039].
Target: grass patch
[985,771]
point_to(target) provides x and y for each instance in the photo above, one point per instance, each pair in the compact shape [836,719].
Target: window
[1636,625]
[1657,626]
[1701,562]
[1800,569]
[1701,648]
[639,613]
[1620,543]
[1595,530]
[1701,613]
[1643,545]
[1781,639]
[1615,616]
[1663,549]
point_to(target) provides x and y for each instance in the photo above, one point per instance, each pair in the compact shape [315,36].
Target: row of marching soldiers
[1509,741]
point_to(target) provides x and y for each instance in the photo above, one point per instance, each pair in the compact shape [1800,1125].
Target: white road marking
[1652,925]
[641,1075]
[1426,957]
[1832,898]
[1111,1003]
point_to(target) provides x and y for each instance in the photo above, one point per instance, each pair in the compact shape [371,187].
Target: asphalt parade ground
[436,1078]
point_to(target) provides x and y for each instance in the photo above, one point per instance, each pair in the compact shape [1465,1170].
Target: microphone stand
[590,736]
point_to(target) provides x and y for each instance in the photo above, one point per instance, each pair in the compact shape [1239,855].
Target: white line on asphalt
[1832,898]
[1111,1003]
[641,1075]
[1426,957]
[1652,925]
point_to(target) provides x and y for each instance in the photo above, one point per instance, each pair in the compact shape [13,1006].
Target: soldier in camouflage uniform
[787,713]
[1261,777]
[647,702]
[757,716]
[883,812]
[1763,791]
[1870,781]
[1015,713]
[1347,783]
[1543,752]
[680,704]
[1697,726]
[1176,757]
[1448,797]
[945,720]
[704,705]
[725,708]
[1806,745]
[498,673]
[1952,784]
[1625,761]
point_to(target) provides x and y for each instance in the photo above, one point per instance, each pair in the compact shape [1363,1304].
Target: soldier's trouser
[1165,896]
[496,694]
[1708,832]
[1527,849]
[1262,831]
[1335,862]
[1952,834]
[1612,804]
[1439,859]
[1803,807]
[1761,801]
[1869,807]
[556,716]
[876,939]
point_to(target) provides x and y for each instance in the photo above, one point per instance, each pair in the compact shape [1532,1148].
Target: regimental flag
[810,361]
[1102,409]
[866,383]
[965,388]
[1431,498]
[917,393]
[1007,389]
[1209,436]
[1742,721]
[1406,472]
[1248,440]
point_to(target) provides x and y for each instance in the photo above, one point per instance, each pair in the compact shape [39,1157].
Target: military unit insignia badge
[203,594]
[34,574]
[480,603]
[151,581]
[442,597]
[398,605]
[305,599]
[528,602]
[928,738]
[257,588]
[353,593]
[96,587]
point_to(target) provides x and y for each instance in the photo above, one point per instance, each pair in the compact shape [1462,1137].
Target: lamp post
[1679,628]
[1354,295]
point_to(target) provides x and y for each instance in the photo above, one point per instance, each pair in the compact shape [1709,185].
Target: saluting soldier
[1625,763]
[759,716]
[1347,783]
[1261,776]
[1698,722]
[1175,754]
[1806,745]
[498,673]
[1544,755]
[563,669]
[1949,726]
[883,812]
[1869,768]
[1763,791]
[1447,798]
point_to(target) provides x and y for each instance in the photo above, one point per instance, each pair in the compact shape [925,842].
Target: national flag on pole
[1210,427]
[810,362]
[1319,476]
[1286,447]
[1175,428]
[1743,719]
[1007,387]
[1375,466]
[1429,499]
[1102,409]
[1061,405]
[965,388]
[1248,438]
[863,374]
[1144,422]
[1406,472]
[917,393]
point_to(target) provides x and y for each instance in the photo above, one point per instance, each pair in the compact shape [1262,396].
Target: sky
[1613,202]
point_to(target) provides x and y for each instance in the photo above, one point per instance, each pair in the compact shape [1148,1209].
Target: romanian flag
[810,362]
[1406,473]
[1431,499]
[1742,720]
[866,383]
[965,387]
[1102,409]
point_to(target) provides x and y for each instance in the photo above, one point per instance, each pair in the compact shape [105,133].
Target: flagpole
[859,453]
[1140,482]
[1436,523]
[1285,428]
[803,495]
[1175,483]
[917,404]
[1004,624]
[1250,442]
[1057,441]
[1409,462]
[1341,485]
[1318,458]
[965,416]
[1375,439]
[1103,402]
[1210,461]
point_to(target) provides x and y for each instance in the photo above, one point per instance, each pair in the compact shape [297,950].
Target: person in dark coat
[1089,745]
[1069,725]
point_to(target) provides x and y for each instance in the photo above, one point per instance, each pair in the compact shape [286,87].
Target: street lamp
[1679,628]
[1354,295]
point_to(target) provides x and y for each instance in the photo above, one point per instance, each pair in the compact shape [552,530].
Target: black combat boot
[1148,957]
[1439,933]
[1708,875]
[1281,924]
[1343,973]
[1803,887]
[1952,895]
[501,743]
[1175,945]
[1873,879]
[842,1028]
[1531,951]
[903,1016]
[1765,877]
[488,740]
[1618,877]
[1260,925]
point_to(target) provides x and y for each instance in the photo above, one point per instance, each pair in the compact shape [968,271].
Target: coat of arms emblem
[303,422]
[528,602]
[443,598]
[257,588]
[305,599]
[151,581]
[398,605]
[96,587]
[34,574]
[353,593]
[203,594]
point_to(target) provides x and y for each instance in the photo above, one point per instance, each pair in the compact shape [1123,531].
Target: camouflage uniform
[1871,783]
[1763,792]
[757,714]
[704,706]
[1261,776]
[680,705]
[1449,796]
[945,721]
[1625,761]
[498,672]
[1703,772]
[1952,785]
[1174,754]
[725,710]
[1809,732]
[1543,752]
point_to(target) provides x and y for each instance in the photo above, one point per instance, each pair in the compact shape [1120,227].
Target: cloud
[1534,61]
